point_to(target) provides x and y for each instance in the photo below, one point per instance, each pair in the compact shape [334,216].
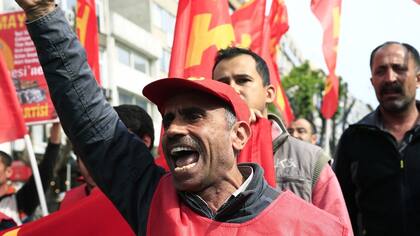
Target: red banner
[328,13]
[262,37]
[12,125]
[87,31]
[248,22]
[93,215]
[202,28]
[279,25]
[26,72]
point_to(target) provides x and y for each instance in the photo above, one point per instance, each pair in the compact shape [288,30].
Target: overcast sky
[364,25]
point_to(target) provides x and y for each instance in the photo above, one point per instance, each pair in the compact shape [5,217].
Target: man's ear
[313,139]
[241,132]
[270,93]
[418,78]
[147,140]
[8,172]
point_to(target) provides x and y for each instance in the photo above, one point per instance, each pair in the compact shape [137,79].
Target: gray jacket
[298,164]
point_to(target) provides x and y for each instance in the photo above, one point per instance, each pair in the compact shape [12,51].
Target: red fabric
[202,28]
[161,161]
[264,34]
[279,24]
[327,195]
[12,125]
[20,171]
[417,1]
[87,31]
[259,149]
[248,22]
[73,196]
[92,215]
[281,101]
[287,215]
[328,13]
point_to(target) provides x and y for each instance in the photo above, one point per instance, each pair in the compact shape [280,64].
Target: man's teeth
[176,150]
[184,168]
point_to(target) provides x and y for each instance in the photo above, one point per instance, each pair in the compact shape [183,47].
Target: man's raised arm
[120,164]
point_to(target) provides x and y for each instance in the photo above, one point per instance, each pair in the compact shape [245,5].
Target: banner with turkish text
[328,13]
[12,125]
[21,59]
[87,31]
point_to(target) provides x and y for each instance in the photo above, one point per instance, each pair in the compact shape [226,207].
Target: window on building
[103,63]
[126,97]
[164,20]
[165,60]
[133,59]
[140,63]
[123,55]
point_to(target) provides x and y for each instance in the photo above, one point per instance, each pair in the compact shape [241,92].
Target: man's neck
[399,123]
[215,196]
[3,189]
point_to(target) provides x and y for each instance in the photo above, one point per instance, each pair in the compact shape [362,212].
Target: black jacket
[380,178]
[118,161]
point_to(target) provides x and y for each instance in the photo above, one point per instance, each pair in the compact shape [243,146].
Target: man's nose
[390,75]
[235,86]
[176,128]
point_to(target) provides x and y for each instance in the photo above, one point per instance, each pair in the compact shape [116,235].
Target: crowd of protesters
[209,125]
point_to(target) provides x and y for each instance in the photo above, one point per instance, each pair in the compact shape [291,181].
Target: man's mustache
[391,88]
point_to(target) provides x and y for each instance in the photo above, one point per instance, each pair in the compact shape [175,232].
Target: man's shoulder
[302,149]
[304,212]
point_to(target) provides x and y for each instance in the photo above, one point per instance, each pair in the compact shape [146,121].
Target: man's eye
[167,120]
[400,69]
[242,81]
[301,131]
[379,72]
[193,116]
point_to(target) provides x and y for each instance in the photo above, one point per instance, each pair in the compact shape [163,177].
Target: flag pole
[327,136]
[35,173]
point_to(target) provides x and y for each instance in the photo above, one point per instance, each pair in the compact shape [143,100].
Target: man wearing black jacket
[377,161]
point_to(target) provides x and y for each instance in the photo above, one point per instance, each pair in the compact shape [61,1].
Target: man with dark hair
[206,192]
[304,130]
[377,161]
[12,202]
[137,121]
[300,167]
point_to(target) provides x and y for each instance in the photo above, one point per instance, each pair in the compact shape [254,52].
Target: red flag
[248,22]
[417,1]
[202,28]
[328,13]
[279,24]
[87,31]
[12,125]
[259,149]
[276,25]
[93,215]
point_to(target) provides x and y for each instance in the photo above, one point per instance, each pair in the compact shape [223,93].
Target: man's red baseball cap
[162,90]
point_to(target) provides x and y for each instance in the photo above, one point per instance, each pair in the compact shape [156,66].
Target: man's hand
[255,115]
[35,9]
[55,133]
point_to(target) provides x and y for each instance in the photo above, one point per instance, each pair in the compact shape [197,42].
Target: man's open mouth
[184,158]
